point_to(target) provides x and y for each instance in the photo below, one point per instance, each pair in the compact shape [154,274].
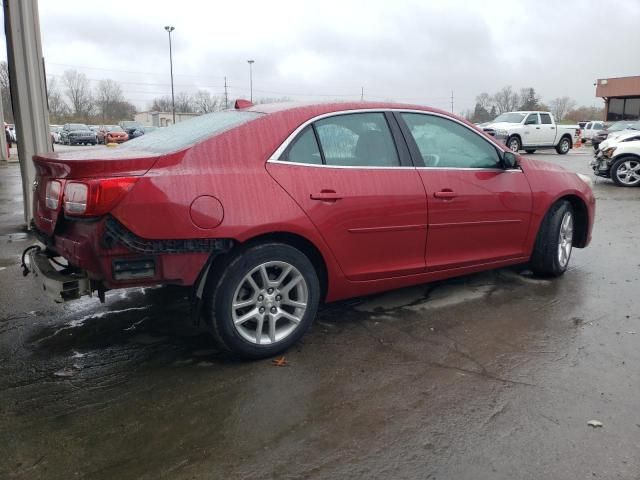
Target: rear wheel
[530,151]
[625,172]
[262,300]
[554,243]
[564,146]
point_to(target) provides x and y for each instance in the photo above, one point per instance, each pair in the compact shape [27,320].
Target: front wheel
[564,146]
[554,243]
[262,300]
[625,172]
[514,144]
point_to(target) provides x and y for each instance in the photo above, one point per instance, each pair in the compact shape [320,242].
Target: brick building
[621,96]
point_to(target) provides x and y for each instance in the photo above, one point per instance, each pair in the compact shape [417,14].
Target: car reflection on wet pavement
[489,376]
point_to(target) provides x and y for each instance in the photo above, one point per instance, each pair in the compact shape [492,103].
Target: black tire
[514,144]
[545,258]
[595,146]
[619,166]
[224,281]
[563,146]
[530,151]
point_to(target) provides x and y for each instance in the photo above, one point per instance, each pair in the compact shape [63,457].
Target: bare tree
[161,104]
[78,92]
[5,92]
[58,108]
[484,101]
[184,103]
[506,100]
[204,102]
[560,107]
[109,98]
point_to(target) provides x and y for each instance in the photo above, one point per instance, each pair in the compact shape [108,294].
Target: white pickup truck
[531,131]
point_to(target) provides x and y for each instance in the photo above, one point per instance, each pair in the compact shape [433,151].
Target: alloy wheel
[269,303]
[629,172]
[565,241]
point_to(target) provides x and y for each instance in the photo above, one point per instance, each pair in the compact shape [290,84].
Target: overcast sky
[405,50]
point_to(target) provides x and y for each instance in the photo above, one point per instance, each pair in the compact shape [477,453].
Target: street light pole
[251,62]
[170,29]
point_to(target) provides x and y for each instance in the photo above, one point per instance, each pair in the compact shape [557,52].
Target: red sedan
[266,211]
[111,134]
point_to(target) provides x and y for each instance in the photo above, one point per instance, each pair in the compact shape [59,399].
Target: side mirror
[510,160]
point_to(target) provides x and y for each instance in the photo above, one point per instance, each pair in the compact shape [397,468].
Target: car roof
[329,107]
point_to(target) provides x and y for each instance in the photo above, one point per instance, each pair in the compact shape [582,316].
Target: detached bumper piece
[116,233]
[61,285]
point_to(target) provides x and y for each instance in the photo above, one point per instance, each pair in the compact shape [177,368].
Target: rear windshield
[188,132]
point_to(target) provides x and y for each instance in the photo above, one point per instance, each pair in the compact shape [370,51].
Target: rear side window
[545,118]
[189,132]
[304,149]
[357,140]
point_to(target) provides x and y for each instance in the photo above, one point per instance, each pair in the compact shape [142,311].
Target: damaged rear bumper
[61,285]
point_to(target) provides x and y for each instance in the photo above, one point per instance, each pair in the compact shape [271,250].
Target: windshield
[509,118]
[114,128]
[78,126]
[189,132]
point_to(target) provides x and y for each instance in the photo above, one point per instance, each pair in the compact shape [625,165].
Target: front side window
[588,126]
[357,140]
[304,149]
[546,118]
[448,144]
[532,119]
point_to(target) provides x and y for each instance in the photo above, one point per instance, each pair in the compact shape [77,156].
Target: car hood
[529,164]
[502,125]
[81,131]
[616,137]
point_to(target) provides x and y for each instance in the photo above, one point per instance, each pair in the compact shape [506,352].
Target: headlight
[609,152]
[586,179]
[502,133]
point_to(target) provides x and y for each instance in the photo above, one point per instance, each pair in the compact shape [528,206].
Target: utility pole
[170,29]
[226,96]
[451,101]
[362,94]
[251,62]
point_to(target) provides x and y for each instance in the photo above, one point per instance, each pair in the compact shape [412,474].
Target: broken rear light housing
[52,194]
[95,197]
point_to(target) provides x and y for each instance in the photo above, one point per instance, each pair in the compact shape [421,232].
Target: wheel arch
[567,136]
[306,246]
[581,213]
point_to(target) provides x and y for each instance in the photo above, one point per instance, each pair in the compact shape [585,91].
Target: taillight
[95,197]
[52,194]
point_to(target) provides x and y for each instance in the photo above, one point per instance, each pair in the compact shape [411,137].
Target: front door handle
[446,194]
[537,128]
[326,196]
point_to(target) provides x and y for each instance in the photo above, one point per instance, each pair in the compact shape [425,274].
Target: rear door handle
[537,128]
[446,194]
[326,196]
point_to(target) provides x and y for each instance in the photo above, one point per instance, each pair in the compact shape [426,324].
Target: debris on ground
[279,362]
[595,423]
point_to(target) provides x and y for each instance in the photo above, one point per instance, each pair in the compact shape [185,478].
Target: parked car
[134,129]
[531,131]
[111,134]
[55,133]
[590,129]
[12,133]
[612,131]
[268,210]
[77,134]
[619,159]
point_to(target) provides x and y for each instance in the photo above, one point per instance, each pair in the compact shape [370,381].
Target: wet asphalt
[489,376]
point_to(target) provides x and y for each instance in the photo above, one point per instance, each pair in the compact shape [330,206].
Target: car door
[548,130]
[479,212]
[531,134]
[358,187]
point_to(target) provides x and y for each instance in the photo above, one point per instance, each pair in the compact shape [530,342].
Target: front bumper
[61,285]
[600,164]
